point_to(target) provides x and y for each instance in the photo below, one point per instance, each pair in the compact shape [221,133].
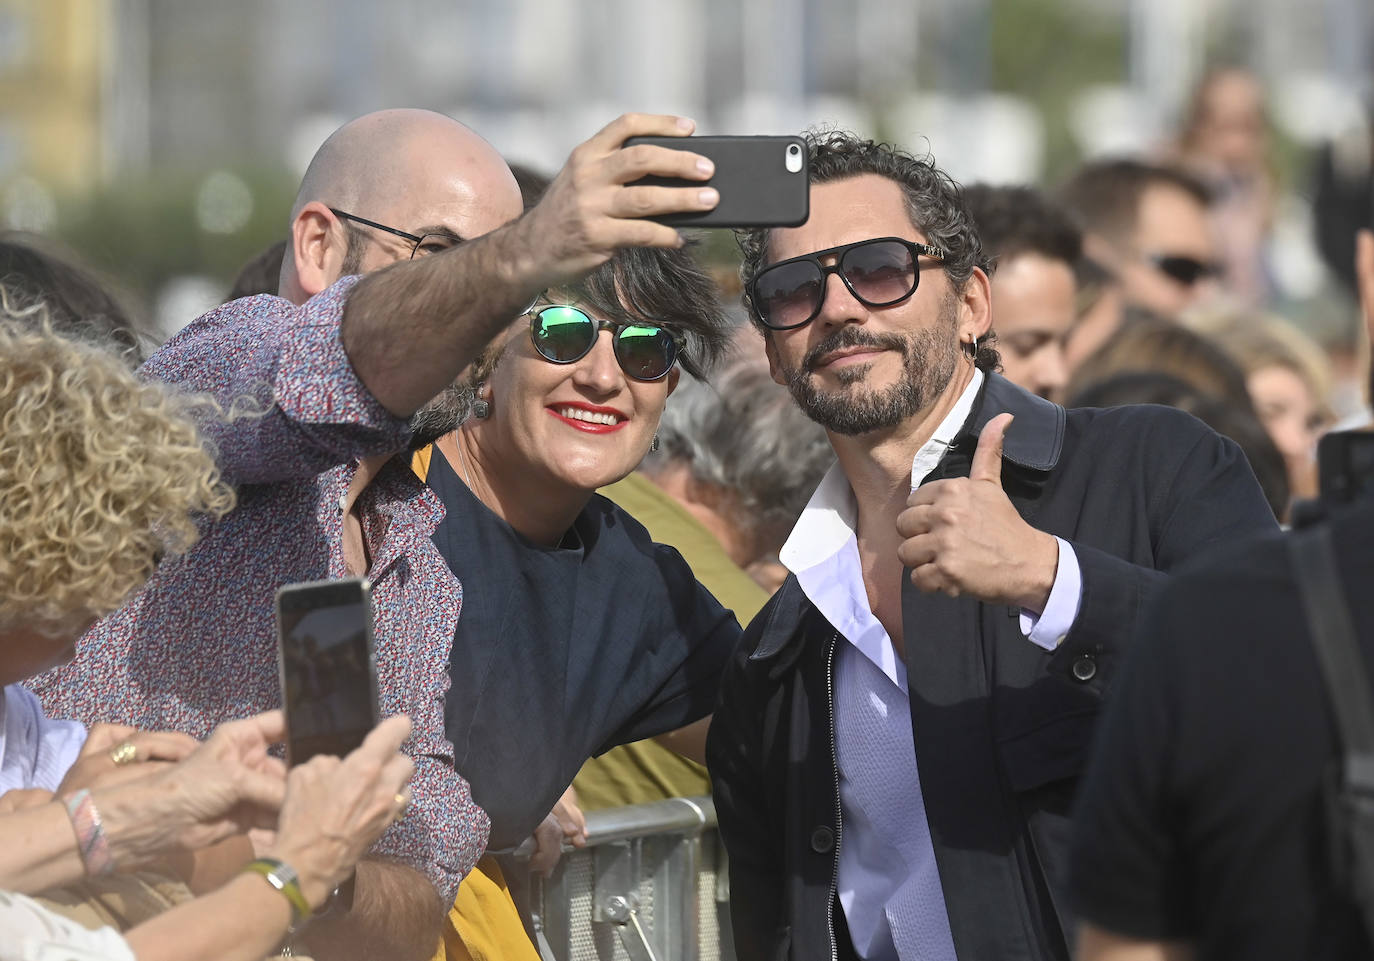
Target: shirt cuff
[1049,628]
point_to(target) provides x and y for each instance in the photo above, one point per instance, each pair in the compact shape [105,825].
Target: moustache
[852,337]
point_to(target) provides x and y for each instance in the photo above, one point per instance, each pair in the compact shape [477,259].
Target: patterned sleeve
[444,832]
[295,405]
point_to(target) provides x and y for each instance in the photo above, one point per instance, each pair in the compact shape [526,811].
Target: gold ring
[125,752]
[402,802]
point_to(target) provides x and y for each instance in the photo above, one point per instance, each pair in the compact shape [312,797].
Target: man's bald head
[414,170]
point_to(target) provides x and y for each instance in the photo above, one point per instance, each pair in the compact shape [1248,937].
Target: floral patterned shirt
[197,645]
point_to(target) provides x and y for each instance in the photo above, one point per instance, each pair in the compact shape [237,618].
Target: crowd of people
[870,557]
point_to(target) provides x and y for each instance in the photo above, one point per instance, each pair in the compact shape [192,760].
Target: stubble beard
[929,356]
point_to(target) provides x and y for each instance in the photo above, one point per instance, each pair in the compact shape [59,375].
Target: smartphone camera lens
[793,158]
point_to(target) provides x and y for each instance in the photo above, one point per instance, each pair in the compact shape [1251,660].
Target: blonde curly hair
[100,476]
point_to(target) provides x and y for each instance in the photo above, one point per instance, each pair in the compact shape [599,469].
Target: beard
[929,356]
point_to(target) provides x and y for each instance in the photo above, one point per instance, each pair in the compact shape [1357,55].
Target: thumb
[987,459]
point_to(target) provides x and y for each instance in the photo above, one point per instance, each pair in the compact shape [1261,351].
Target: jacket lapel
[972,815]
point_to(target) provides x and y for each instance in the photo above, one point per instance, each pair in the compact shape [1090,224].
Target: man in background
[1033,247]
[1149,241]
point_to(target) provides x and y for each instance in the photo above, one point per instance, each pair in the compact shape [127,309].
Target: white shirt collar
[829,518]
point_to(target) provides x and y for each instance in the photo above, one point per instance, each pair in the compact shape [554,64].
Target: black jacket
[1002,727]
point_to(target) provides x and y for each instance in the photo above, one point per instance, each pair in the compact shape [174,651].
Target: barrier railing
[651,885]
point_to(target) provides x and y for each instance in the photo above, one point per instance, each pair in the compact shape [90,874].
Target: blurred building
[52,61]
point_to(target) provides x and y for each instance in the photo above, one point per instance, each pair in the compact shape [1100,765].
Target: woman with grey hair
[751,458]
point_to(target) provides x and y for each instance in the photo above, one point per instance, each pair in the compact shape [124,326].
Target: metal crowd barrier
[651,885]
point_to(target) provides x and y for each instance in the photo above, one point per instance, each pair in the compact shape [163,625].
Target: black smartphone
[327,665]
[1345,467]
[763,181]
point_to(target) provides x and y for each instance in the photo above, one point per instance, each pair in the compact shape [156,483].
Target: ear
[975,307]
[674,376]
[319,244]
[771,352]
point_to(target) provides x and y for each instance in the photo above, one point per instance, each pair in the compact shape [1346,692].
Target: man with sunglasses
[1149,226]
[902,728]
[319,385]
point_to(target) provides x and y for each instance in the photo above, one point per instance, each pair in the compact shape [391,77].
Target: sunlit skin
[1171,222]
[1033,310]
[537,467]
[843,212]
[468,191]
[1290,414]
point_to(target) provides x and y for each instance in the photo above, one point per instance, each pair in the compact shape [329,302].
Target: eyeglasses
[564,334]
[422,245]
[1186,270]
[879,273]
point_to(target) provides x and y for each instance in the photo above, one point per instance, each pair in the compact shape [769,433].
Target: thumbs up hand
[963,535]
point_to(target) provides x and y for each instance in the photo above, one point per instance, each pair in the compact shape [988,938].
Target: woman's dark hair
[79,304]
[663,285]
[934,204]
[1226,417]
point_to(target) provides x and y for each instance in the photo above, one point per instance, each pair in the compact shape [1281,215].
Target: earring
[481,409]
[653,444]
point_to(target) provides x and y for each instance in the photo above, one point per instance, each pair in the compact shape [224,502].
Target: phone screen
[327,674]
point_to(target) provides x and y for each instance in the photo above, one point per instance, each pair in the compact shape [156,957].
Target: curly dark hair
[1013,221]
[934,204]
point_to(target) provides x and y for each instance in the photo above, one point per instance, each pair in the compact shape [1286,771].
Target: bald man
[320,383]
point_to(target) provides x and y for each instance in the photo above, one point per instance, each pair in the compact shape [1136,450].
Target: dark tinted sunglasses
[879,273]
[1186,270]
[563,334]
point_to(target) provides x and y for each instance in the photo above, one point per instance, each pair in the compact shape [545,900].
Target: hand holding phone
[762,181]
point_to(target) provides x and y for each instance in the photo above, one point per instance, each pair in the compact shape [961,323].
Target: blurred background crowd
[1212,157]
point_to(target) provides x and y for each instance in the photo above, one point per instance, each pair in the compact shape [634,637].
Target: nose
[599,371]
[839,305]
[1052,371]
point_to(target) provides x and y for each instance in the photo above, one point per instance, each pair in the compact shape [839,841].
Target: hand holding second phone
[590,211]
[963,535]
[335,809]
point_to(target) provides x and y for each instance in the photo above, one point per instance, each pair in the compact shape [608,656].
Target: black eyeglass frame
[916,249]
[415,240]
[615,327]
[1198,270]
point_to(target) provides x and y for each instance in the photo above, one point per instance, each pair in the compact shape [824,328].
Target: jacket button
[1085,668]
[822,840]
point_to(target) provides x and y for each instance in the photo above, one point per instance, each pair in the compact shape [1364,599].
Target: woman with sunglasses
[577,631]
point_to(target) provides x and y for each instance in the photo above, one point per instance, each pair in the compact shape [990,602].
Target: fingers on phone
[629,125]
[386,738]
[652,201]
[645,160]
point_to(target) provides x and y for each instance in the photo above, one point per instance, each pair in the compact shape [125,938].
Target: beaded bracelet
[90,833]
[283,877]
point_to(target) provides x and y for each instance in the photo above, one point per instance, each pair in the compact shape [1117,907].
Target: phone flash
[793,160]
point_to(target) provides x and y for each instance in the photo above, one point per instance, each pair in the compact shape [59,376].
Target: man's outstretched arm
[411,328]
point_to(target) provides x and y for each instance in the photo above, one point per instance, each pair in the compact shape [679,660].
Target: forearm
[38,850]
[689,741]
[396,914]
[410,329]
[244,920]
